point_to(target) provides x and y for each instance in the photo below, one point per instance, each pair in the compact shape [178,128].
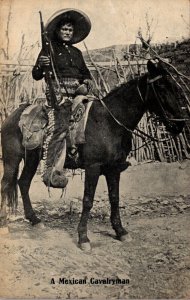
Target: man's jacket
[69,63]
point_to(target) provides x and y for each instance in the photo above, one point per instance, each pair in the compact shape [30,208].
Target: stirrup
[73,153]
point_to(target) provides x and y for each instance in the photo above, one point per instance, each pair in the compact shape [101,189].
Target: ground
[155,208]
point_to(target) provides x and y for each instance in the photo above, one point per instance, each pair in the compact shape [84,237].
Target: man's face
[66,32]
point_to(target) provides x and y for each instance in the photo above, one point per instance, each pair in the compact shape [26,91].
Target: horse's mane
[122,87]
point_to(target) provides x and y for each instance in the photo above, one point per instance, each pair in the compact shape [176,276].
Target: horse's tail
[9,194]
[9,187]
[11,160]
[12,153]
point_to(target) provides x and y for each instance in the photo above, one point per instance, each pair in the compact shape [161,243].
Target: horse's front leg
[92,174]
[113,178]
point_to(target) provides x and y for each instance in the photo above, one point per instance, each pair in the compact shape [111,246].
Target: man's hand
[92,90]
[85,88]
[89,83]
[43,61]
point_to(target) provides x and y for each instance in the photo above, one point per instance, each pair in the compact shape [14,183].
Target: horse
[110,125]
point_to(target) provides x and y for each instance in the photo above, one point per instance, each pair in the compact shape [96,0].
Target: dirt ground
[155,208]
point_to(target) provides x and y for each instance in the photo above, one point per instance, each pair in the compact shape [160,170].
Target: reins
[128,129]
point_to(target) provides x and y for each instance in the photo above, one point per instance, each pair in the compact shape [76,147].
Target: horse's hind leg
[92,174]
[113,178]
[28,172]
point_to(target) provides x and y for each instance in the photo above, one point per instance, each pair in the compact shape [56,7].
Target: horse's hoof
[86,247]
[35,221]
[4,230]
[125,238]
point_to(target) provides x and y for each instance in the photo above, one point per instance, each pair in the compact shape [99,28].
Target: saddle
[34,120]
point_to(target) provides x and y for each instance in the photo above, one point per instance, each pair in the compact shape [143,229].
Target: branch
[156,55]
[7,31]
[100,74]
[4,53]
[21,47]
[136,55]
[115,64]
[130,68]
[188,25]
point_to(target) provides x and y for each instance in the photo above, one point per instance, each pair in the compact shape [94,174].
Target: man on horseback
[68,77]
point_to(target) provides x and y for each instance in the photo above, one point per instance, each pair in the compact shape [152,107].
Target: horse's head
[163,98]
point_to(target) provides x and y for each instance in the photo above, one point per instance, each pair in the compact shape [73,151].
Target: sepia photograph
[95,149]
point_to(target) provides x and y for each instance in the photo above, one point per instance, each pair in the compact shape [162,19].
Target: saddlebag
[32,124]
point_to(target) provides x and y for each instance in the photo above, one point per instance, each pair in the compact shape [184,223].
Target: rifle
[47,48]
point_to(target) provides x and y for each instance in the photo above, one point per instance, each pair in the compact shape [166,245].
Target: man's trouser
[54,148]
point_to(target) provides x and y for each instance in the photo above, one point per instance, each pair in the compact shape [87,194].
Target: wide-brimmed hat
[80,20]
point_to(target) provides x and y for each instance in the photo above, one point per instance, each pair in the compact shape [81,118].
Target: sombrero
[80,20]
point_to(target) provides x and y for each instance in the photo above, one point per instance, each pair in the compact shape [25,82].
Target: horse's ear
[152,69]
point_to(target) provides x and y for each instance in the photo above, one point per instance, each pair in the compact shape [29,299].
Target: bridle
[138,132]
[150,84]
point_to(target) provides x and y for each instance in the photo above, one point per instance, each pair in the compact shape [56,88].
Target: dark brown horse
[107,143]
